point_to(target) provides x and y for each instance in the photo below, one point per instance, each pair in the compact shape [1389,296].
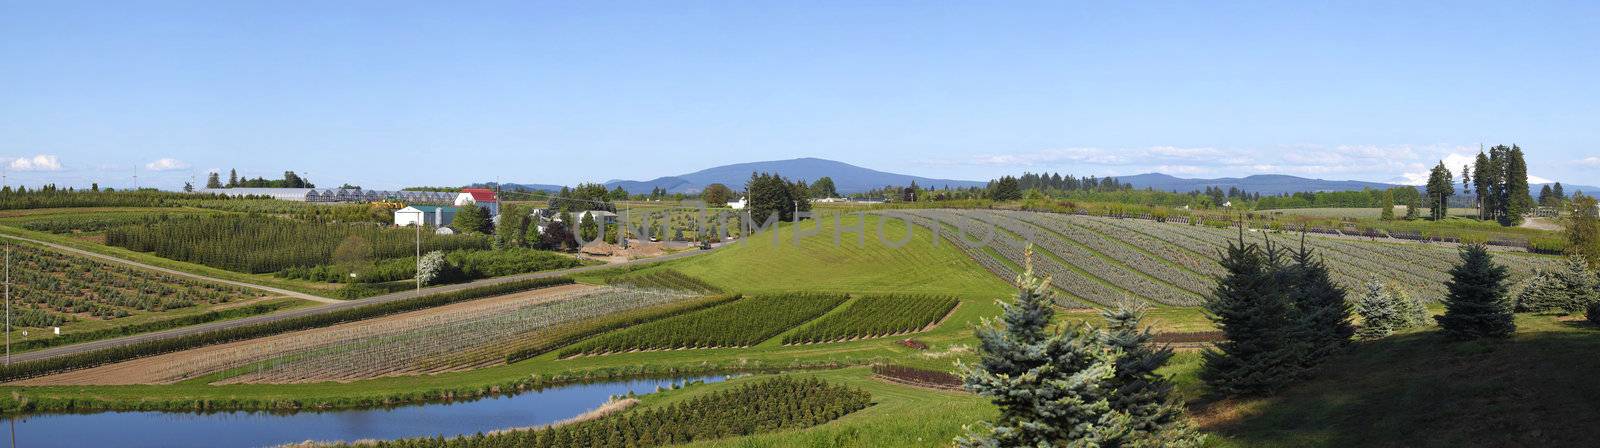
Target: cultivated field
[1105,260]
[447,338]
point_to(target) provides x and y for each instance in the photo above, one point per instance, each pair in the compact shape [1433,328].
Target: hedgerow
[140,349]
[776,404]
[875,316]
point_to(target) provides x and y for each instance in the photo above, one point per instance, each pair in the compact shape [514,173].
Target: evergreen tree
[1545,194]
[1412,308]
[1518,202]
[1483,171]
[1257,317]
[1593,314]
[473,219]
[1050,385]
[1379,315]
[1413,207]
[1441,185]
[1559,193]
[1322,311]
[212,181]
[1386,208]
[1476,306]
[1005,189]
[233,178]
[1543,292]
[1579,285]
[1156,417]
[768,195]
[188,187]
[588,229]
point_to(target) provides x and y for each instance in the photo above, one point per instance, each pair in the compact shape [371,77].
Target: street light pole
[8,304]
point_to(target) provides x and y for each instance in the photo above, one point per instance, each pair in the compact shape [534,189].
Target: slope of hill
[847,178]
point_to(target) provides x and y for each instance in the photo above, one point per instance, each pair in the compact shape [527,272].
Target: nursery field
[92,299]
[741,323]
[1097,260]
[814,262]
[259,244]
[876,316]
[453,337]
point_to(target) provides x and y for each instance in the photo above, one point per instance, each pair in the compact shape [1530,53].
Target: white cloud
[1097,156]
[1532,179]
[1589,161]
[41,162]
[166,164]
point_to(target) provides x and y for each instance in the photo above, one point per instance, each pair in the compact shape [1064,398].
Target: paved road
[299,312]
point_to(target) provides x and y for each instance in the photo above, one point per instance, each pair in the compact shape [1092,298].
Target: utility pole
[8,305]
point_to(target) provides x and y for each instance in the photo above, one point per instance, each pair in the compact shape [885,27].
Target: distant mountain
[519,187]
[847,178]
[1269,184]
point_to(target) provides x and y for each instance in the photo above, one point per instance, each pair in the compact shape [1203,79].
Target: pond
[258,429]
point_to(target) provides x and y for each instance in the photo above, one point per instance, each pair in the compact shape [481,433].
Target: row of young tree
[289,180]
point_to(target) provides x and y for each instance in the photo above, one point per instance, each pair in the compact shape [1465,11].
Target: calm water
[252,429]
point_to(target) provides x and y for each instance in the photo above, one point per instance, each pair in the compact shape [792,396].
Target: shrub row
[664,279]
[147,348]
[146,327]
[740,323]
[258,244]
[568,334]
[876,316]
[777,404]
[918,377]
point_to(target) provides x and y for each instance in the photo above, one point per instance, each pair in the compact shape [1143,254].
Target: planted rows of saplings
[147,348]
[529,346]
[740,323]
[426,344]
[97,222]
[934,379]
[664,279]
[74,337]
[771,405]
[54,288]
[876,316]
[1116,269]
[465,265]
[259,244]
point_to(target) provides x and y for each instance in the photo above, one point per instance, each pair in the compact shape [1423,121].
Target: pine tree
[1518,201]
[1050,385]
[1579,284]
[1386,212]
[1441,185]
[1256,315]
[1482,170]
[212,181]
[1476,306]
[1156,417]
[1379,315]
[233,178]
[1415,312]
[1541,292]
[1005,189]
[1322,311]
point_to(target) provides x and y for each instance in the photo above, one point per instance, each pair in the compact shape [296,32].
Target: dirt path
[173,367]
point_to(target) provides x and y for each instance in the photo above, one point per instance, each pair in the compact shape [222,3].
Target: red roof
[480,194]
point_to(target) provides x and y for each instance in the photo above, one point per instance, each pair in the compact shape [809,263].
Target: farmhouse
[482,197]
[428,215]
[738,205]
[600,217]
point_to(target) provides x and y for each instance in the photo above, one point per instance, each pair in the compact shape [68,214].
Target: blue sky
[390,94]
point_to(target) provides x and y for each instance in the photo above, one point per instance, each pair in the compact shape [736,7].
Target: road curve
[300,312]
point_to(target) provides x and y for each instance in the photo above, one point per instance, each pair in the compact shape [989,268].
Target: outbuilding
[429,215]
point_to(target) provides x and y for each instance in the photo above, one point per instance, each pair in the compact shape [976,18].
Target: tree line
[289,180]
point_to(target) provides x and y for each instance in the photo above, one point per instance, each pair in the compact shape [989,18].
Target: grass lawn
[1418,389]
[758,264]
